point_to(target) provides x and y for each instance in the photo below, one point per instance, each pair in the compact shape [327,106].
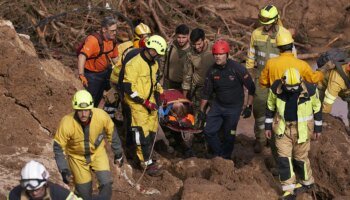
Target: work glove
[119,160]
[66,176]
[328,66]
[150,106]
[83,80]
[200,121]
[247,112]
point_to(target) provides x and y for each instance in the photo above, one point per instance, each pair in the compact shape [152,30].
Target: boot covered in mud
[300,188]
[153,170]
[288,196]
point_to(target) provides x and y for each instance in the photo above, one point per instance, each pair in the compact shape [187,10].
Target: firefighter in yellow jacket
[294,113]
[338,85]
[140,85]
[79,147]
[275,67]
[262,47]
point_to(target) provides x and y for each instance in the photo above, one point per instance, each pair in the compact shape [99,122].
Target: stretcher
[170,97]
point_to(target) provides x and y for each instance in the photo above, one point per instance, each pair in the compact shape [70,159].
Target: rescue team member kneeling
[293,104]
[35,185]
[226,79]
[80,141]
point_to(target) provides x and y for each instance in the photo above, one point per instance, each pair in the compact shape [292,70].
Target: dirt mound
[36,93]
[330,159]
[34,96]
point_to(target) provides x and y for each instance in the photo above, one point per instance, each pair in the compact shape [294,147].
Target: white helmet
[33,175]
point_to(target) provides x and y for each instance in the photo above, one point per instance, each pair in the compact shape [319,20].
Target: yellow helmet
[283,37]
[142,29]
[157,43]
[82,100]
[291,77]
[268,15]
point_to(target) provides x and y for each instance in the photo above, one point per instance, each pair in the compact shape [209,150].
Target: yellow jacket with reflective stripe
[262,47]
[334,86]
[275,68]
[309,108]
[70,135]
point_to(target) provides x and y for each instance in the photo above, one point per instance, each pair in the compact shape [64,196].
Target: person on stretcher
[176,114]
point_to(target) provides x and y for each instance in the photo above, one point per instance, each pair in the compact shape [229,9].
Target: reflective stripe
[133,95]
[288,187]
[137,137]
[269,120]
[261,127]
[318,123]
[260,119]
[272,55]
[261,53]
[148,162]
[329,98]
[251,57]
[252,50]
[304,119]
[261,62]
[233,132]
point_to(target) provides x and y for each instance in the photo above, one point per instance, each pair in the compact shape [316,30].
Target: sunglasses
[31,184]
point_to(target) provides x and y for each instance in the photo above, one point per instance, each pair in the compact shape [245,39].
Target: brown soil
[35,93]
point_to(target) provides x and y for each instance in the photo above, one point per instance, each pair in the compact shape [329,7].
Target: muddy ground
[35,93]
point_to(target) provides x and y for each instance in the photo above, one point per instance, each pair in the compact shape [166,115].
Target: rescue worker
[338,83]
[198,61]
[262,47]
[79,147]
[292,105]
[142,31]
[140,84]
[35,185]
[94,60]
[225,80]
[275,67]
[175,58]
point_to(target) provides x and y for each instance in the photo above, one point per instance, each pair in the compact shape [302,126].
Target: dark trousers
[225,119]
[97,83]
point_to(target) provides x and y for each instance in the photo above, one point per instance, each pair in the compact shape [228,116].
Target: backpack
[129,54]
[99,38]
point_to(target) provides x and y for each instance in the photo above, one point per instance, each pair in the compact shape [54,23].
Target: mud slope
[34,94]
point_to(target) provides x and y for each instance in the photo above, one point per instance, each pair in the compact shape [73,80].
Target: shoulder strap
[338,66]
[99,38]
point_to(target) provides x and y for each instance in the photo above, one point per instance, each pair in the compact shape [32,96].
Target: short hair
[197,34]
[287,47]
[108,21]
[182,29]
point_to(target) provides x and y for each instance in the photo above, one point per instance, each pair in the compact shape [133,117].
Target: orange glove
[83,79]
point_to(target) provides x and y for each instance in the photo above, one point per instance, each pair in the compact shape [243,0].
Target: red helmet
[220,47]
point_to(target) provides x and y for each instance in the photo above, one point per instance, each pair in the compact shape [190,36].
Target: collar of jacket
[144,57]
[303,94]
[274,32]
[288,54]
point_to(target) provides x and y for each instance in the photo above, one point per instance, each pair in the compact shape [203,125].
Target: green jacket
[309,110]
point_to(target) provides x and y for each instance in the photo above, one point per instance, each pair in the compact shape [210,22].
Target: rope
[150,156]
